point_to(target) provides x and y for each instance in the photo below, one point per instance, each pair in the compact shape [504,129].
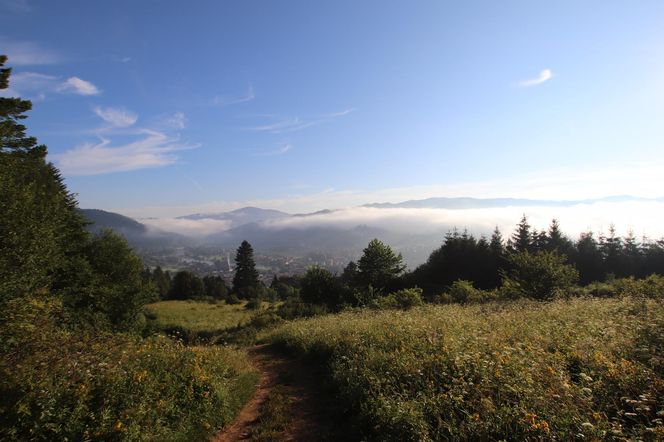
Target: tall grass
[582,369]
[197,316]
[57,384]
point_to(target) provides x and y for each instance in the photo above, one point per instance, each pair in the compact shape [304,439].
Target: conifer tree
[521,240]
[40,231]
[246,276]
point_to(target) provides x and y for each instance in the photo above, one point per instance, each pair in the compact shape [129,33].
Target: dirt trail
[310,421]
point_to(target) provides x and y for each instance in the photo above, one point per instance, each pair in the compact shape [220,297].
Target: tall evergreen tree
[246,276]
[521,239]
[588,259]
[41,234]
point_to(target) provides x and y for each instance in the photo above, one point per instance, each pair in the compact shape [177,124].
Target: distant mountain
[487,203]
[138,235]
[245,215]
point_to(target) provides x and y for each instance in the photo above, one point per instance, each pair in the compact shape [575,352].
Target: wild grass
[59,384]
[199,316]
[583,369]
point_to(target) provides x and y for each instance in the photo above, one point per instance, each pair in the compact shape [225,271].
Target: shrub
[403,299]
[650,287]
[541,276]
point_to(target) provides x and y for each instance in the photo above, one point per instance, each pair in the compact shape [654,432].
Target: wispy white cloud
[178,120]
[116,116]
[16,5]
[544,75]
[153,149]
[280,151]
[27,53]
[225,101]
[78,86]
[278,124]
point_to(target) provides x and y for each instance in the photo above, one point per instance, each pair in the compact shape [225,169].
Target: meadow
[197,316]
[579,369]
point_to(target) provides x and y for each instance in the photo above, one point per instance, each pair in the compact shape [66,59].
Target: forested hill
[139,235]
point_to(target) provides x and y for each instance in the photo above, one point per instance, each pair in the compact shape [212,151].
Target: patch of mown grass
[580,369]
[59,384]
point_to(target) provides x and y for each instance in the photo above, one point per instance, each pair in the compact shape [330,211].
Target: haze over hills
[413,227]
[137,234]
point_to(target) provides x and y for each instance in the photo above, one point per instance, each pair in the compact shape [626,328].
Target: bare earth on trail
[309,419]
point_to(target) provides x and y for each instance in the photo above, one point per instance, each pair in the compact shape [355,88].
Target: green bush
[403,299]
[650,287]
[542,276]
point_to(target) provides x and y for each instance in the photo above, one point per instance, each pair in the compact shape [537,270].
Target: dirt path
[309,419]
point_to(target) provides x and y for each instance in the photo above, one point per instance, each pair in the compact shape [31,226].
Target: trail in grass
[308,418]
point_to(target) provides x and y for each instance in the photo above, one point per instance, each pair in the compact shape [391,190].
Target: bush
[650,287]
[542,276]
[403,299]
[463,292]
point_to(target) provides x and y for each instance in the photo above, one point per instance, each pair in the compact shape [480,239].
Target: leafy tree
[215,287]
[379,265]
[118,290]
[319,286]
[246,276]
[162,281]
[186,285]
[540,275]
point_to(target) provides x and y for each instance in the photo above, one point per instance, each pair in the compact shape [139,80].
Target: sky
[162,108]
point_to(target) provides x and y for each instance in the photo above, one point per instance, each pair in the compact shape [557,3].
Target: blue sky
[160,108]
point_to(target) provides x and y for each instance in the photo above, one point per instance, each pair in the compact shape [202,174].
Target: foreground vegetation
[60,385]
[579,369]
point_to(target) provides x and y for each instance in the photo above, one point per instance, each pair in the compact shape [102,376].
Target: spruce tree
[41,234]
[521,240]
[246,276]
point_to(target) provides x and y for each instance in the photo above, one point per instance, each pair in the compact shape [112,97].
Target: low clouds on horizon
[639,217]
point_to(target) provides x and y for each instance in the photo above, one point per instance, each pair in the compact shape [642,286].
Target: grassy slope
[575,369]
[56,384]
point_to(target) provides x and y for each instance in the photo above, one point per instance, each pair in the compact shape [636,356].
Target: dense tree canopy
[379,265]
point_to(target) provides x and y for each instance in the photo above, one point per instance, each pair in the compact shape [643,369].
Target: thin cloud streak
[293,124]
[222,101]
[544,75]
[154,149]
[282,150]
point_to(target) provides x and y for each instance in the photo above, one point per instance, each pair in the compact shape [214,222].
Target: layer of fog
[641,218]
